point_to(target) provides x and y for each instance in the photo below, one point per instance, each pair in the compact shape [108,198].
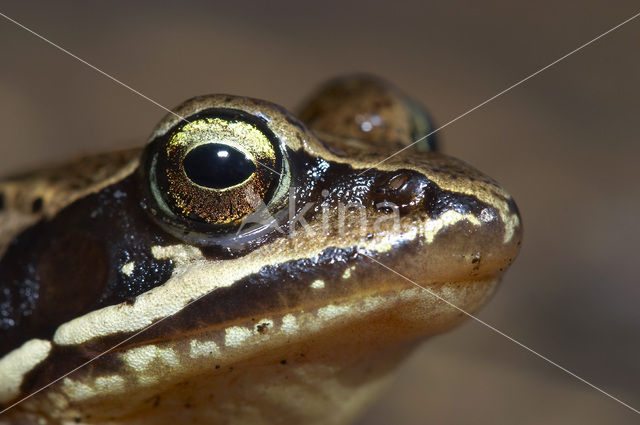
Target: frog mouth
[206,293]
[355,339]
[383,292]
[391,316]
[367,299]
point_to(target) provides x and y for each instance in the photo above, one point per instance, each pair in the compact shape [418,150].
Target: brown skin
[294,325]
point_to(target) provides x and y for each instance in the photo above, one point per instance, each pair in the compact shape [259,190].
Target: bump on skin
[317,284]
[128,268]
[289,324]
[382,311]
[253,315]
[203,349]
[80,238]
[235,336]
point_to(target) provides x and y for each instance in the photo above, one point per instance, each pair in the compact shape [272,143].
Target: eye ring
[211,172]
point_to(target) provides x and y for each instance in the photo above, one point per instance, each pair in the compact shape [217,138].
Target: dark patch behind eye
[71,264]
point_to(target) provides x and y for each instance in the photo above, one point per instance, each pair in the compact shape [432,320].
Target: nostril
[391,184]
[398,181]
[404,190]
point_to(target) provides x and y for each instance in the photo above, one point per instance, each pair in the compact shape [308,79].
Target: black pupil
[217,166]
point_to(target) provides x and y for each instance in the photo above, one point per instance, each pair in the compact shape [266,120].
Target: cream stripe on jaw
[242,340]
[194,277]
[15,365]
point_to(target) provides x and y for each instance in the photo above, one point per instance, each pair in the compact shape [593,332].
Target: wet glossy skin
[293,318]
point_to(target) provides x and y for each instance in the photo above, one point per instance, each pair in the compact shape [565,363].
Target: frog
[246,265]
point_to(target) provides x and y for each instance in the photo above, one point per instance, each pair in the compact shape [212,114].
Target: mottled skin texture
[293,323]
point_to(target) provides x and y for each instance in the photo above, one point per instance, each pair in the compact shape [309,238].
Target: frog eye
[211,171]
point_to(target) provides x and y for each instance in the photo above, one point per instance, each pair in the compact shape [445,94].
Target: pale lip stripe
[44,348]
[192,279]
[17,363]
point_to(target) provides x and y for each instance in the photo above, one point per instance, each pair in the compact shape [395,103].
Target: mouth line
[378,318]
[355,307]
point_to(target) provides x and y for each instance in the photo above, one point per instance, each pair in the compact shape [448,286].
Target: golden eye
[215,169]
[206,175]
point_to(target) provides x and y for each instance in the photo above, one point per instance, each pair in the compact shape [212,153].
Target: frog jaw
[326,295]
[336,357]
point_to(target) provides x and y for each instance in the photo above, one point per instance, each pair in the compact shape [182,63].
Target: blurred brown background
[564,144]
